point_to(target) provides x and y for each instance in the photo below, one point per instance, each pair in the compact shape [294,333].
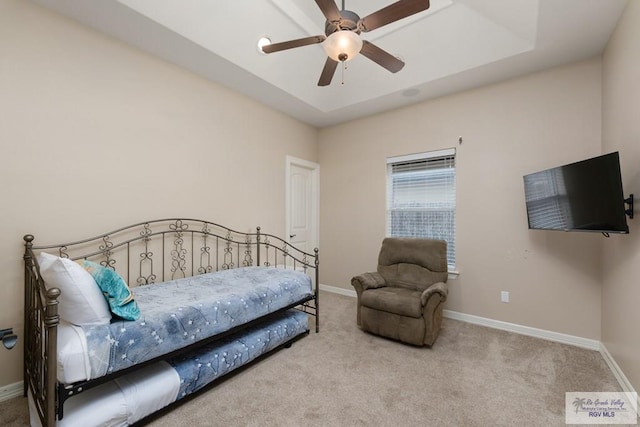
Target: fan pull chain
[344,67]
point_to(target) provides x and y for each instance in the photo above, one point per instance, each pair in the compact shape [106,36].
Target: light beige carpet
[473,376]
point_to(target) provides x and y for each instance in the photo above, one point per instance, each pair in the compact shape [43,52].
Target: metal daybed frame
[187,247]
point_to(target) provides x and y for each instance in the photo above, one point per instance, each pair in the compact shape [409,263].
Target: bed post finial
[28,243]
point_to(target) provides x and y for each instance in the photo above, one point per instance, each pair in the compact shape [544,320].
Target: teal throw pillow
[114,289]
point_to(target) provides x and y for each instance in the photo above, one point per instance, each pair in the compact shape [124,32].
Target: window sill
[453,274]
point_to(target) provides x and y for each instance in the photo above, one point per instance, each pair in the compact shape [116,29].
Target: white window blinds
[421,197]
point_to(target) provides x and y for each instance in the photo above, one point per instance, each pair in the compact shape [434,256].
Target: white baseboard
[10,391]
[337,290]
[525,330]
[617,372]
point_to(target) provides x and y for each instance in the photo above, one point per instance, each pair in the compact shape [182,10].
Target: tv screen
[581,196]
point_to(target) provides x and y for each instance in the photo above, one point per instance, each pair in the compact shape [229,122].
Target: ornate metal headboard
[166,249]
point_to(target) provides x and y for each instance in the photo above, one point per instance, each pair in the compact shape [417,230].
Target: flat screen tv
[581,196]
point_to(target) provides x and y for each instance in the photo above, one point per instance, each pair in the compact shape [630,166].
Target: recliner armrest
[439,288]
[368,281]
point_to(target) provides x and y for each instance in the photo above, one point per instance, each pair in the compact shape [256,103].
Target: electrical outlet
[504,296]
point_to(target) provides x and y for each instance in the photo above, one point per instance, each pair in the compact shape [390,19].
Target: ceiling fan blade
[276,47]
[328,72]
[329,9]
[394,12]
[381,57]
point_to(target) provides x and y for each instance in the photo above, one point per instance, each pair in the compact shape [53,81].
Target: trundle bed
[126,323]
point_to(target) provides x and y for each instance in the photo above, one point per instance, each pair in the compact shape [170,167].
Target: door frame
[314,196]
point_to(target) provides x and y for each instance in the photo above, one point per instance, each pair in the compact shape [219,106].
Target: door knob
[291,236]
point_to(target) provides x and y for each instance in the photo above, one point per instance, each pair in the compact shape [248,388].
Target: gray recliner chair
[404,299]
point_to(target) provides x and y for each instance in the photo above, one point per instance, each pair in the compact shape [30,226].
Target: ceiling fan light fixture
[263,41]
[342,45]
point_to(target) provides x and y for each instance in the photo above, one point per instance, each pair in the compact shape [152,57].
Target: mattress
[119,402]
[133,396]
[181,312]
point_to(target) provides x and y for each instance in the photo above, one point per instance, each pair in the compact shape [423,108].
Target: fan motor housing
[349,21]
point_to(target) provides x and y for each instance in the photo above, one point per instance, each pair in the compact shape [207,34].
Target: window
[421,198]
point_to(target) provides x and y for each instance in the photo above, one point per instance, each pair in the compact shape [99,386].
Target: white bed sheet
[73,360]
[122,401]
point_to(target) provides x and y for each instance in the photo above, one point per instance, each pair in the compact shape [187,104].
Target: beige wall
[509,129]
[95,135]
[621,132]
[94,131]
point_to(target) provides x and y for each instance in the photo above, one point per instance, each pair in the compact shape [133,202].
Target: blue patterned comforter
[181,312]
[208,363]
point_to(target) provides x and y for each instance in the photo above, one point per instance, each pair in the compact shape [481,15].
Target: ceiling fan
[342,39]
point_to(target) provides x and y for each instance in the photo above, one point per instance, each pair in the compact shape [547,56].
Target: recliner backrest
[413,263]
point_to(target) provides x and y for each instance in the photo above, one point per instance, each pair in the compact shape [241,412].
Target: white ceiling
[455,45]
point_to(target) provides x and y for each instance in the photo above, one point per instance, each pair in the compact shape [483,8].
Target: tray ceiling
[455,45]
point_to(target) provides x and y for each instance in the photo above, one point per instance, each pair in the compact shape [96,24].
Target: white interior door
[302,208]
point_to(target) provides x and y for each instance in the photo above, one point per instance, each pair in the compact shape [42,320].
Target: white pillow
[81,302]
